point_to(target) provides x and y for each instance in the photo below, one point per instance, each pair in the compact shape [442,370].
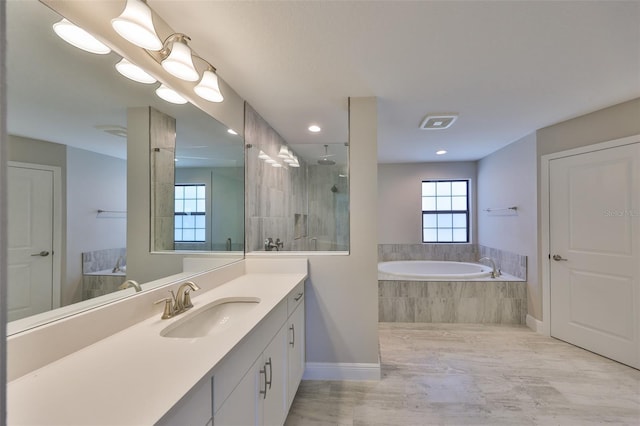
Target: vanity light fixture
[135,24]
[284,152]
[208,87]
[295,162]
[233,132]
[263,156]
[134,72]
[79,38]
[170,95]
[441,152]
[179,61]
[314,128]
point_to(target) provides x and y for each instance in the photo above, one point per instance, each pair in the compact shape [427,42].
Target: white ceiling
[506,67]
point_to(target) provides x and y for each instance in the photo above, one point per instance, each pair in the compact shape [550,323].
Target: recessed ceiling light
[231,131]
[314,128]
[441,152]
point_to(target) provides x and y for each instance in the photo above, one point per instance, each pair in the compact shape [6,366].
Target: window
[445,211]
[190,213]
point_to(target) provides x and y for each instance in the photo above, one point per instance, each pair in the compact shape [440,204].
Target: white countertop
[135,376]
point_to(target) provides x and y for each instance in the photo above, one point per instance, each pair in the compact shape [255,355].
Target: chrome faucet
[130,283]
[269,245]
[495,272]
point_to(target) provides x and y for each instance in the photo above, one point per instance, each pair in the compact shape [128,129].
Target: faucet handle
[168,307]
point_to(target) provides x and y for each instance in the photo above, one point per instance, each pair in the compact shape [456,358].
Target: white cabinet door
[260,397]
[296,351]
[241,407]
[275,359]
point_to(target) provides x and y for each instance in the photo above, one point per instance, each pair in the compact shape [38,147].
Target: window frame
[195,214]
[466,212]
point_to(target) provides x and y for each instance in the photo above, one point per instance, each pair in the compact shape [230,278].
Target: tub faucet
[117,268]
[495,272]
[130,283]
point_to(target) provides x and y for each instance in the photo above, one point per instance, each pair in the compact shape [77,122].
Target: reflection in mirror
[297,195]
[198,206]
[67,147]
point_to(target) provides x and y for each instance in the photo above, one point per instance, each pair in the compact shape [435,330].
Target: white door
[30,251]
[594,228]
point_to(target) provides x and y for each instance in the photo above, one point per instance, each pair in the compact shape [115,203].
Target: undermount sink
[211,318]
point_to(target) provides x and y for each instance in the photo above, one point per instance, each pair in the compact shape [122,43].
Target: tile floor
[474,374]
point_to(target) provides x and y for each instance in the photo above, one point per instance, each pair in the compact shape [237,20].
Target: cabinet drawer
[294,298]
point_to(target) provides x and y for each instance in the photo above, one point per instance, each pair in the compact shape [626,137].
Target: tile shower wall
[328,207]
[162,130]
[274,195]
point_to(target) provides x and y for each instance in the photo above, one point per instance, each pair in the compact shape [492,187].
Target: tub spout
[495,272]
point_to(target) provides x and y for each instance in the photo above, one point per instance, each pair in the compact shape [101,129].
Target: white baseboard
[534,324]
[341,371]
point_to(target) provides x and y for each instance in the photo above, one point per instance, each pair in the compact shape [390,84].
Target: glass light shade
[294,164]
[79,38]
[263,156]
[270,161]
[233,132]
[170,95]
[134,72]
[284,152]
[135,24]
[179,62]
[276,165]
[289,160]
[208,87]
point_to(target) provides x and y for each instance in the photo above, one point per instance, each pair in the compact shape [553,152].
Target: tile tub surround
[475,374]
[475,302]
[98,285]
[510,263]
[102,260]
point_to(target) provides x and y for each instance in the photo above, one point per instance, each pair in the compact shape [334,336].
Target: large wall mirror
[67,174]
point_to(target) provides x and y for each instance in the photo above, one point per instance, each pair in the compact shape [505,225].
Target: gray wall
[400,192]
[508,178]
[342,291]
[94,181]
[3,218]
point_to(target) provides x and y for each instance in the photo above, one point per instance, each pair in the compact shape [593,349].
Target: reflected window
[190,213]
[445,211]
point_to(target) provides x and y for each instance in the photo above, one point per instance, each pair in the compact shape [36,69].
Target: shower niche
[298,193]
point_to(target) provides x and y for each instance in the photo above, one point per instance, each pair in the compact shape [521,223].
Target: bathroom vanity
[236,357]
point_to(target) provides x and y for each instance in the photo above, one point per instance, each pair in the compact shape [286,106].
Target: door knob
[558,258]
[43,253]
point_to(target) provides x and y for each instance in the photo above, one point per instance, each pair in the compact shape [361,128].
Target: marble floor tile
[475,374]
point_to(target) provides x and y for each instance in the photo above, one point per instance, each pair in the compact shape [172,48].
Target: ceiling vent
[439,121]
[114,130]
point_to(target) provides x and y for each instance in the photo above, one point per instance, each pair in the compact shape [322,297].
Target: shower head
[324,161]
